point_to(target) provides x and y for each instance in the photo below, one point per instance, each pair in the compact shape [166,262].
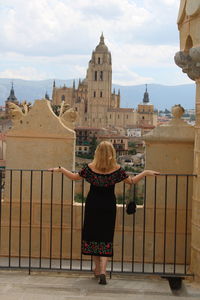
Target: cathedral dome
[101,47]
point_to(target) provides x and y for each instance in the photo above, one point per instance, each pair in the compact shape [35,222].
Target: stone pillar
[170,150]
[188,59]
[39,140]
[195,243]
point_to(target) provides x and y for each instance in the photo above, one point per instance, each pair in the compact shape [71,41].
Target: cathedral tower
[99,80]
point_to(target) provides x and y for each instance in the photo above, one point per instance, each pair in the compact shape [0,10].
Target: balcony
[41,225]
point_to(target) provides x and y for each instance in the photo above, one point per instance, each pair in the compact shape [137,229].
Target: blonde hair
[105,157]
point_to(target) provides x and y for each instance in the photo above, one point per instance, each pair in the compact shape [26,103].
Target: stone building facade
[97,105]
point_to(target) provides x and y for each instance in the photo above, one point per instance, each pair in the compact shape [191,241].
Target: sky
[54,39]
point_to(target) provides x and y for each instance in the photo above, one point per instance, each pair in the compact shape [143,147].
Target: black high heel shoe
[102,279]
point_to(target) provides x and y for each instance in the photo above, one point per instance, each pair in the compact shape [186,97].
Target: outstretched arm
[67,173]
[138,177]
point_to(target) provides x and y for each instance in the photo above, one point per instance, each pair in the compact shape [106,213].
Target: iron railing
[41,224]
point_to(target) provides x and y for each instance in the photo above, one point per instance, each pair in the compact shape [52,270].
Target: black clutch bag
[130,202]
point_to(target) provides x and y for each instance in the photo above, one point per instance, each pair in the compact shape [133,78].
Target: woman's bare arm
[135,179]
[67,173]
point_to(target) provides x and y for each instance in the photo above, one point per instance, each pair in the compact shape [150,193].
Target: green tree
[132,148]
[93,145]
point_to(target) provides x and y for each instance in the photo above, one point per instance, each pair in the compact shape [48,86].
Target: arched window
[101,94]
[188,44]
[63,98]
[95,75]
[99,60]
[101,75]
[94,94]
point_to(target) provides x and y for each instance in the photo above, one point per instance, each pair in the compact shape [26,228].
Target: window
[110,116]
[101,75]
[118,116]
[85,148]
[94,94]
[101,94]
[127,116]
[63,98]
[99,60]
[85,118]
[95,75]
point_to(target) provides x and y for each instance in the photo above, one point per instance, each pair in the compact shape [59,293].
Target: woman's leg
[103,264]
[96,260]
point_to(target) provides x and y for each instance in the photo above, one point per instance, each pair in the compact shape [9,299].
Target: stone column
[195,243]
[189,61]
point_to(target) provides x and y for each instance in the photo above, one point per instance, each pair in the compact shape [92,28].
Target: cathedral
[95,102]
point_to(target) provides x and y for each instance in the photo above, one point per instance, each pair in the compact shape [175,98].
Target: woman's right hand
[151,173]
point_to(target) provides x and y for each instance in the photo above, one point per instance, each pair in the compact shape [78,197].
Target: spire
[114,91]
[11,97]
[102,39]
[146,96]
[74,84]
[118,91]
[47,96]
[101,47]
[54,83]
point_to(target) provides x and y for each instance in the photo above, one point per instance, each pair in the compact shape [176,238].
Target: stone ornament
[18,112]
[177,111]
[192,7]
[189,62]
[70,115]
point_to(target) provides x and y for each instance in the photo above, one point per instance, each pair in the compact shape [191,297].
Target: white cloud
[55,38]
[24,73]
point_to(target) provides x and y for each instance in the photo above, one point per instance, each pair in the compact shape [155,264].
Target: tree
[93,145]
[132,148]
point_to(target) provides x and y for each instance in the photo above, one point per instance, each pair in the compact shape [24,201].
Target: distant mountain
[162,96]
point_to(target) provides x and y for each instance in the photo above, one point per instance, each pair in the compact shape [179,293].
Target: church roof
[101,47]
[11,97]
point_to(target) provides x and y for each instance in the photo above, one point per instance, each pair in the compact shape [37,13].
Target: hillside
[161,96]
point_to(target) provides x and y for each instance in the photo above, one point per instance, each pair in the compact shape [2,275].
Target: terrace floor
[18,285]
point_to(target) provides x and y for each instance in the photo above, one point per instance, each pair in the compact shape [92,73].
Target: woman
[100,207]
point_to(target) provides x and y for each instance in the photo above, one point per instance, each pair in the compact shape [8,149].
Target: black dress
[100,212]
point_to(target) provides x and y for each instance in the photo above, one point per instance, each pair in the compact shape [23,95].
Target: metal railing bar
[71,237]
[61,220]
[186,220]
[175,222]
[123,220]
[144,225]
[82,219]
[41,216]
[133,233]
[154,225]
[10,220]
[165,224]
[51,220]
[30,221]
[20,218]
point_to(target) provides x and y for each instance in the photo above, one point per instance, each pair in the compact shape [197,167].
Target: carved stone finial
[177,111]
[18,112]
[189,62]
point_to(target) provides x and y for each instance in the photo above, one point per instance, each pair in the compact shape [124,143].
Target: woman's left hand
[54,169]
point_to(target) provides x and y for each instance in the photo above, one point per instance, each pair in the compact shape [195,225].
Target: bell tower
[99,79]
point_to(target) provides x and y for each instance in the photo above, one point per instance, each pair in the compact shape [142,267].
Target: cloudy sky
[45,39]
